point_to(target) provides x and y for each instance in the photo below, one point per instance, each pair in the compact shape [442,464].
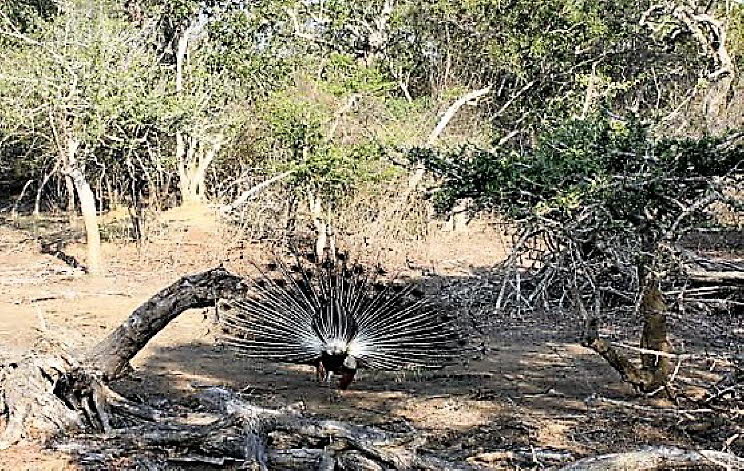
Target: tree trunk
[193,162]
[658,458]
[70,187]
[90,218]
[653,374]
[321,226]
[39,192]
[192,155]
[654,337]
[87,207]
[184,154]
[51,394]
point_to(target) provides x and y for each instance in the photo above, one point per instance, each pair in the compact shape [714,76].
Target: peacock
[339,317]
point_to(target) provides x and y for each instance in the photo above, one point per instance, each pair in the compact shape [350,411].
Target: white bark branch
[251,192]
[418,174]
[451,111]
[658,458]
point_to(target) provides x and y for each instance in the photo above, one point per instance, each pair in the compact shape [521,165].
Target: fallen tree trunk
[112,354]
[717,276]
[48,393]
[705,270]
[57,398]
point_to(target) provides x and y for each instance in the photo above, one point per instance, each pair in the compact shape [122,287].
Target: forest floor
[533,391]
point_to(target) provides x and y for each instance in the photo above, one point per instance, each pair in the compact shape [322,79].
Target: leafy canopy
[610,167]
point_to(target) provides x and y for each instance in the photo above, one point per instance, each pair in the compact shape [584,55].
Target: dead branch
[238,432]
[658,458]
[527,456]
[47,394]
[54,249]
[628,371]
[111,355]
[717,276]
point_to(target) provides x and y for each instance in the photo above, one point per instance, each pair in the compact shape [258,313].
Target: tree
[223,57]
[325,164]
[599,205]
[80,79]
[679,25]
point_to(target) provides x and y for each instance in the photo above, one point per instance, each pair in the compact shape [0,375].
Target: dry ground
[534,387]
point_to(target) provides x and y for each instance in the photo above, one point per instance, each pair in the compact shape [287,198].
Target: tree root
[239,432]
[33,409]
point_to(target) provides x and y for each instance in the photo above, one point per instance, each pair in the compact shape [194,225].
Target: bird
[338,316]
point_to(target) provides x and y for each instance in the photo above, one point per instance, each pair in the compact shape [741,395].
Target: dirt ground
[531,387]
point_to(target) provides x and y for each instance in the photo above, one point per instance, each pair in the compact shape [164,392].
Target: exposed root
[239,432]
[34,404]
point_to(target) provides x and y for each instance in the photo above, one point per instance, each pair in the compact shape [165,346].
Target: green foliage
[89,76]
[343,75]
[101,66]
[103,77]
[294,125]
[246,50]
[735,26]
[24,16]
[539,57]
[336,171]
[610,167]
[599,202]
[295,131]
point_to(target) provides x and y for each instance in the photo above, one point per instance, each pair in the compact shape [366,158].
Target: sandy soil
[534,387]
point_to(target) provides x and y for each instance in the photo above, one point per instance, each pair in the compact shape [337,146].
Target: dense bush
[602,195]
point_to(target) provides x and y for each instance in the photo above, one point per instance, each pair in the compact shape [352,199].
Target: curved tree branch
[111,355]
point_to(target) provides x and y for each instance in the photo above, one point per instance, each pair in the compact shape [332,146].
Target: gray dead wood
[47,393]
[705,270]
[659,458]
[238,434]
[112,354]
[717,277]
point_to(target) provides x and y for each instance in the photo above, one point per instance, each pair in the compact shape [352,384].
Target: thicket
[150,104]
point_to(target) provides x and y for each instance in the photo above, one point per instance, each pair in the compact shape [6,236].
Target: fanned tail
[310,308]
